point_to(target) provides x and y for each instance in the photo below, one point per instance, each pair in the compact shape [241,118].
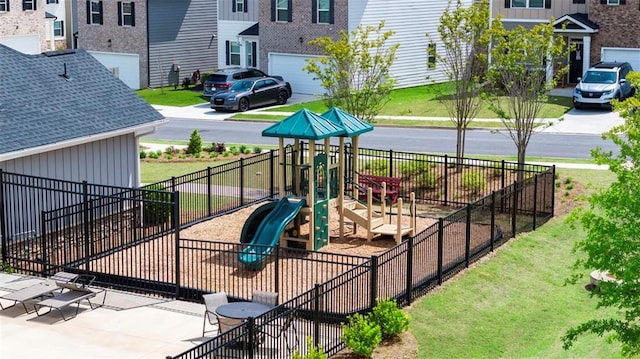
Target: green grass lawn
[168,96]
[516,304]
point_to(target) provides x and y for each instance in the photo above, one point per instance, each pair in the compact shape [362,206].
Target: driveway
[585,121]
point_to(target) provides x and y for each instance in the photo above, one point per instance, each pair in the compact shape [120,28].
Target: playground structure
[318,183]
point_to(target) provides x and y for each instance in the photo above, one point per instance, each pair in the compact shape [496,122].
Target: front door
[575,61]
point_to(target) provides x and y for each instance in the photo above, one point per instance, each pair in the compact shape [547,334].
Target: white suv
[602,83]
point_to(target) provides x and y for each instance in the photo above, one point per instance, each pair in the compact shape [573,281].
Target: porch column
[586,58]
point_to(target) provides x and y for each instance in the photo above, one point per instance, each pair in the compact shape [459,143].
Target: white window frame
[249,53]
[239,5]
[235,56]
[58,26]
[613,2]
[527,5]
[30,4]
[127,17]
[52,1]
[95,11]
[324,11]
[3,5]
[284,9]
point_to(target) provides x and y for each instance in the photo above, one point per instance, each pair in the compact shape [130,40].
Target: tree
[195,143]
[355,70]
[520,61]
[612,226]
[462,33]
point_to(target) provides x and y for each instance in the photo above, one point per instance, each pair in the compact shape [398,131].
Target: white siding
[123,66]
[411,20]
[111,161]
[228,31]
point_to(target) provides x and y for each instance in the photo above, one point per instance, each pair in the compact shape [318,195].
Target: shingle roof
[40,105]
[253,30]
[352,125]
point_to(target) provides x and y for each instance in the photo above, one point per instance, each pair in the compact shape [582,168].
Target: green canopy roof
[352,125]
[304,124]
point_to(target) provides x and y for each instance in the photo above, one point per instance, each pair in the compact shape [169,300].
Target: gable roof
[577,22]
[62,97]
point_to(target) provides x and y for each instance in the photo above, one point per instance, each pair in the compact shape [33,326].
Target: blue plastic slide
[268,233]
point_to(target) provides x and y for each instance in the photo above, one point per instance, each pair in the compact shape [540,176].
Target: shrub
[182,156]
[427,180]
[361,335]
[196,155]
[7,268]
[391,319]
[243,148]
[313,352]
[159,153]
[218,147]
[155,208]
[257,149]
[153,155]
[558,184]
[169,157]
[414,168]
[474,181]
[213,154]
[247,151]
[171,150]
[377,167]
[568,180]
[226,154]
[143,154]
[569,186]
[195,143]
[234,150]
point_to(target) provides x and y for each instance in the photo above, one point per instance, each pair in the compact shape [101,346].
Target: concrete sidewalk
[127,326]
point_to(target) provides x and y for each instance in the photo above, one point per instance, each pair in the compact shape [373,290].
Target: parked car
[602,83]
[222,79]
[248,93]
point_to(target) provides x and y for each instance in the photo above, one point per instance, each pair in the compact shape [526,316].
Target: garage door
[619,54]
[289,66]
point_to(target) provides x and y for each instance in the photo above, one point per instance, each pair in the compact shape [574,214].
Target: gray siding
[112,161]
[225,11]
[181,32]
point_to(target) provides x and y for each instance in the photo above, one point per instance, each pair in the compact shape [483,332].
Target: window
[28,5]
[281,10]
[126,13]
[612,2]
[322,11]
[431,55]
[94,12]
[531,4]
[234,53]
[251,47]
[4,5]
[52,1]
[58,28]
[239,6]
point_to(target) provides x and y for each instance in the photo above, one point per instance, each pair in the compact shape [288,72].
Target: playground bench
[375,182]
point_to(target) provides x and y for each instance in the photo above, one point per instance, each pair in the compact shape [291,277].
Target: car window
[237,76]
[259,84]
[217,78]
[599,77]
[257,73]
[241,86]
[269,82]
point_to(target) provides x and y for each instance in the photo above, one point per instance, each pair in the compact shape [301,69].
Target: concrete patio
[127,326]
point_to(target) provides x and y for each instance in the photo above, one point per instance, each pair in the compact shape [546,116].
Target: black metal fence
[129,239]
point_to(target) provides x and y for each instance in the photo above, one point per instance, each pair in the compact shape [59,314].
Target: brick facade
[124,39]
[284,37]
[619,26]
[18,22]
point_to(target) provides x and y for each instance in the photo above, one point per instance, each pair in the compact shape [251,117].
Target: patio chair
[211,303]
[283,327]
[226,324]
[75,293]
[46,288]
[268,298]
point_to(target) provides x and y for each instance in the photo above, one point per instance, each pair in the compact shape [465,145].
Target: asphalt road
[479,142]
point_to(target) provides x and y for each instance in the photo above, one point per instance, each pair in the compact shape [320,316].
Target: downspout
[137,137]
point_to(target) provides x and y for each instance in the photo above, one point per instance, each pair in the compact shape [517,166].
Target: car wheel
[243,105]
[282,98]
[577,105]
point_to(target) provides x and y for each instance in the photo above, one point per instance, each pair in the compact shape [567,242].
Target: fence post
[276,278]
[373,293]
[535,200]
[493,219]
[316,315]
[502,180]
[514,211]
[272,173]
[440,248]
[241,181]
[209,196]
[409,271]
[553,190]
[252,334]
[43,229]
[3,218]
[176,236]
[468,237]
[85,219]
[446,180]
[390,163]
